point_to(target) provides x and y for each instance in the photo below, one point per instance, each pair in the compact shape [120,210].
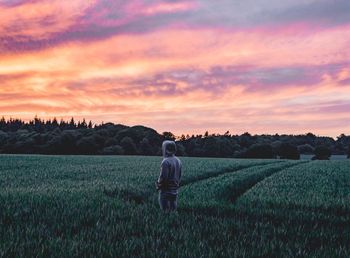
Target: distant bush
[288,151]
[306,149]
[322,153]
[259,151]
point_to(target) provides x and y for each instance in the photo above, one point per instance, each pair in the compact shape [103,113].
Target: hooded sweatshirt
[170,171]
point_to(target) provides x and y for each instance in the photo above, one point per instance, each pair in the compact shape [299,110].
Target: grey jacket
[170,169]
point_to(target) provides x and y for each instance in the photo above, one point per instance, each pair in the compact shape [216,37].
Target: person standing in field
[169,178]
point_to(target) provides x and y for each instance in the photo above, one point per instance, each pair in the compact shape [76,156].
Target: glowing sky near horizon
[262,66]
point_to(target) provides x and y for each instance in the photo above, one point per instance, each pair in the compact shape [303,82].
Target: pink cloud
[168,7]
[108,62]
[40,19]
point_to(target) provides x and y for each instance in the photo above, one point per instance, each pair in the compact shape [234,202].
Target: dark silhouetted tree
[65,143]
[276,146]
[180,149]
[306,149]
[322,153]
[72,124]
[145,147]
[87,145]
[51,137]
[38,125]
[245,140]
[128,145]
[259,151]
[82,124]
[3,124]
[111,142]
[169,136]
[288,151]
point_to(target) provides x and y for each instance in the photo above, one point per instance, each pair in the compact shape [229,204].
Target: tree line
[72,137]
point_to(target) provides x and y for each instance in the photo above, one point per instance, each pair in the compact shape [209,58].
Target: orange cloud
[167,80]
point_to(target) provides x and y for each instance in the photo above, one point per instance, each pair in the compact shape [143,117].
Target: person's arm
[164,170]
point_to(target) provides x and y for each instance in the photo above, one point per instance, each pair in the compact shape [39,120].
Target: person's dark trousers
[168,201]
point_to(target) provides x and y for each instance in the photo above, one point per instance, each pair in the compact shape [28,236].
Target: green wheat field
[94,206]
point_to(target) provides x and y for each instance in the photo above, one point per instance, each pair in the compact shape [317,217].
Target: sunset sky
[262,66]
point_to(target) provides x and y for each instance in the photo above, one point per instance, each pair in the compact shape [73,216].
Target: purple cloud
[215,80]
[335,108]
[109,18]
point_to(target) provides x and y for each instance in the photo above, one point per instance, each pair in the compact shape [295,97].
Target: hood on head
[168,148]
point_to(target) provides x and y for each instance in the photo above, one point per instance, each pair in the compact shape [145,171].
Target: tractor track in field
[242,185]
[239,192]
[227,170]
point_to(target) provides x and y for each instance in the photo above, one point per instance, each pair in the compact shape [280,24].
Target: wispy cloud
[258,66]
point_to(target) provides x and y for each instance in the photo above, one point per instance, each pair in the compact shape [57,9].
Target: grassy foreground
[73,206]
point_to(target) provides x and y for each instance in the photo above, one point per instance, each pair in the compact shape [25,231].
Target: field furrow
[318,186]
[224,189]
[238,165]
